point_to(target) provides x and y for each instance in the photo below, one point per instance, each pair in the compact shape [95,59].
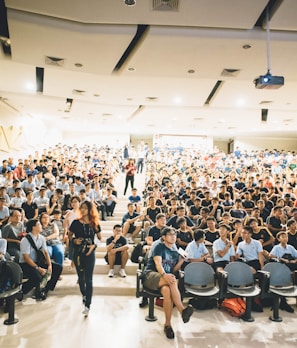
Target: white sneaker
[122,273]
[111,273]
[86,311]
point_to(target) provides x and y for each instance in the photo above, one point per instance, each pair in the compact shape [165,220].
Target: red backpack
[235,306]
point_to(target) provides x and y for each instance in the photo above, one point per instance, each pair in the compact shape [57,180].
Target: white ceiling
[201,35]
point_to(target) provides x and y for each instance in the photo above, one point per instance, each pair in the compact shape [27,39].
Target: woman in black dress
[82,232]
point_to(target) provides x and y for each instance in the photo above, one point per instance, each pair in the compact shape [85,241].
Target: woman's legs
[131,180]
[89,269]
[78,259]
[126,184]
[84,267]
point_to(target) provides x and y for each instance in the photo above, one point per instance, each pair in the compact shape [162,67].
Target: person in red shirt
[19,172]
[130,171]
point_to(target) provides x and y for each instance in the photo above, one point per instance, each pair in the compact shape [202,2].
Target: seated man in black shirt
[194,210]
[117,251]
[180,212]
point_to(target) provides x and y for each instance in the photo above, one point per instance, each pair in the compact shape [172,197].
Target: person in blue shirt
[250,250]
[284,252]
[135,199]
[287,254]
[159,275]
[196,250]
[223,249]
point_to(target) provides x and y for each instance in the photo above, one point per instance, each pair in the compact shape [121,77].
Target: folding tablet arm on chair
[16,276]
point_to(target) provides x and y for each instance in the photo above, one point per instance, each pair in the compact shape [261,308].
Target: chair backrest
[240,275]
[280,274]
[200,275]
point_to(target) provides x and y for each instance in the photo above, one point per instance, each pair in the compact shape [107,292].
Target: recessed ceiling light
[131,69]
[246,46]
[240,102]
[96,95]
[177,100]
[191,71]
[30,86]
[78,65]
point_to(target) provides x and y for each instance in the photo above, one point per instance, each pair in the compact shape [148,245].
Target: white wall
[110,139]
[221,145]
[287,144]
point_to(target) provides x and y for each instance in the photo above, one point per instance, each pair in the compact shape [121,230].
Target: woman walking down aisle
[130,171]
[82,232]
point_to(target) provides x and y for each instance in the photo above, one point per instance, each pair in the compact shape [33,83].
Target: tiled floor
[117,321]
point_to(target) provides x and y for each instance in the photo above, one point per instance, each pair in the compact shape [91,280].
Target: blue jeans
[56,252]
[84,267]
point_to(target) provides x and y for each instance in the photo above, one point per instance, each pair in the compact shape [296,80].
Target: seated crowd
[216,204]
[223,208]
[41,195]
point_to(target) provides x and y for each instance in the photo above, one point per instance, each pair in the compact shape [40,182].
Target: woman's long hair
[93,214]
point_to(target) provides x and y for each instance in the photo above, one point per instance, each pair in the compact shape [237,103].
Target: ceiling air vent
[151,99]
[78,92]
[165,5]
[265,102]
[230,72]
[54,61]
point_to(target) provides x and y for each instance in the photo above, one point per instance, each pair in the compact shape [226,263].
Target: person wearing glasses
[160,271]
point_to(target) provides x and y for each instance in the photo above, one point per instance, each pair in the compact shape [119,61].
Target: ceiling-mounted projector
[269,81]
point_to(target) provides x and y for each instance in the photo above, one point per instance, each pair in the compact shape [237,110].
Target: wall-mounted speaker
[39,79]
[264,115]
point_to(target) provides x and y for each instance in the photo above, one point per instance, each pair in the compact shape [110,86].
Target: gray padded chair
[199,279]
[238,281]
[277,282]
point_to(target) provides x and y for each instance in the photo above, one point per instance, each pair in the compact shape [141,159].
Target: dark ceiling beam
[138,37]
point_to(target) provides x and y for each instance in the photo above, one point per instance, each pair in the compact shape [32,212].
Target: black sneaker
[186,313]
[286,307]
[169,332]
[144,302]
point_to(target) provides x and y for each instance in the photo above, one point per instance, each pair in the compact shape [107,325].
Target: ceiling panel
[285,17]
[203,13]
[164,83]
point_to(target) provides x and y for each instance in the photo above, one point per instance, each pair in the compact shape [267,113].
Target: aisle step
[102,268]
[102,285]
